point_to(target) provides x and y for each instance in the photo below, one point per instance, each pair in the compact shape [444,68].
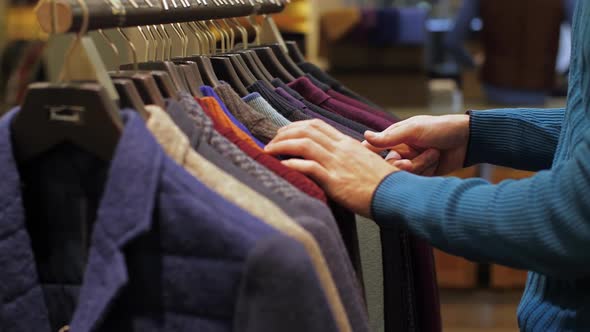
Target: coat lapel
[125,212]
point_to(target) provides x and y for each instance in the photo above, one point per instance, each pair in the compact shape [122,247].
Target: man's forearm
[518,138]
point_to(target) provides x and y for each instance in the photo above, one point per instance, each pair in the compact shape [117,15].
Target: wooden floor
[479,311]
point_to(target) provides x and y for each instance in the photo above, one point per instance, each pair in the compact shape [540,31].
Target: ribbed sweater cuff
[250,97]
[393,195]
[418,203]
[496,137]
[481,129]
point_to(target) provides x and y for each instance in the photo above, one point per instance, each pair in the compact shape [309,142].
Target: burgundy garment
[299,180]
[315,95]
[426,290]
[355,103]
[343,129]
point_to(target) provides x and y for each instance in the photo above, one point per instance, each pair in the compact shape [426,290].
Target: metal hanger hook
[113,47]
[131,47]
[78,39]
[147,43]
[243,31]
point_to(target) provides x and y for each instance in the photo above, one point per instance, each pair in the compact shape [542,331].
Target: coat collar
[124,213]
[171,139]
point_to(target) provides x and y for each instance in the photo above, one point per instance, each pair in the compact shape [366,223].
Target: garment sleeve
[519,138]
[540,224]
[455,39]
[280,291]
[570,6]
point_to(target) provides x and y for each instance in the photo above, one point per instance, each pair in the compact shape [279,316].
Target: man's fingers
[404,164]
[431,171]
[309,168]
[393,156]
[372,148]
[391,136]
[424,161]
[315,125]
[299,147]
[303,132]
[406,151]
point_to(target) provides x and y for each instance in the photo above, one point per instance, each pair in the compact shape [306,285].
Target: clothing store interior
[135,114]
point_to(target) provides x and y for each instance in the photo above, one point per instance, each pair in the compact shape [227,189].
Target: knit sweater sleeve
[518,138]
[539,224]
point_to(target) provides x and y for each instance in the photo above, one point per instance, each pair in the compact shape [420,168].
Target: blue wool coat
[164,252]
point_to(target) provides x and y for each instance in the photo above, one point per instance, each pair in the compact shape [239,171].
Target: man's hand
[413,142]
[348,172]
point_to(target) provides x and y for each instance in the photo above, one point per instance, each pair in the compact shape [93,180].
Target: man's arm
[570,6]
[518,138]
[541,224]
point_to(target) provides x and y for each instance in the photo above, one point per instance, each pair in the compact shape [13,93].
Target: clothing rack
[119,14]
[217,102]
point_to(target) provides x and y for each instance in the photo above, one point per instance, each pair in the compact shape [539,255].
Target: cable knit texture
[261,127]
[541,224]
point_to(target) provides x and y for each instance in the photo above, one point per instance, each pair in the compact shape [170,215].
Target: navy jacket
[165,253]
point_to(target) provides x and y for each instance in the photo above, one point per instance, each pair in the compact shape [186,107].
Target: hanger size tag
[66,113]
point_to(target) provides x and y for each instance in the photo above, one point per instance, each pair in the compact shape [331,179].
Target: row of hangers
[83,106]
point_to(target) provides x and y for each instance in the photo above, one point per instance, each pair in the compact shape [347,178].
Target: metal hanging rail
[105,14]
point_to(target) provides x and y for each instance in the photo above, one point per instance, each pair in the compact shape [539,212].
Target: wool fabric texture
[159,235]
[260,105]
[315,95]
[177,147]
[210,92]
[283,106]
[261,127]
[212,108]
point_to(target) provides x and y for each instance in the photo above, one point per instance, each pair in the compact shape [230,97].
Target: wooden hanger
[227,66]
[286,61]
[261,65]
[273,65]
[168,67]
[204,66]
[248,57]
[269,35]
[164,72]
[145,82]
[205,69]
[240,58]
[243,72]
[190,69]
[294,51]
[83,113]
[252,65]
[265,53]
[192,76]
[128,95]
[224,69]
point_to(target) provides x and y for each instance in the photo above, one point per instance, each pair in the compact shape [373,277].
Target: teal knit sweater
[541,224]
